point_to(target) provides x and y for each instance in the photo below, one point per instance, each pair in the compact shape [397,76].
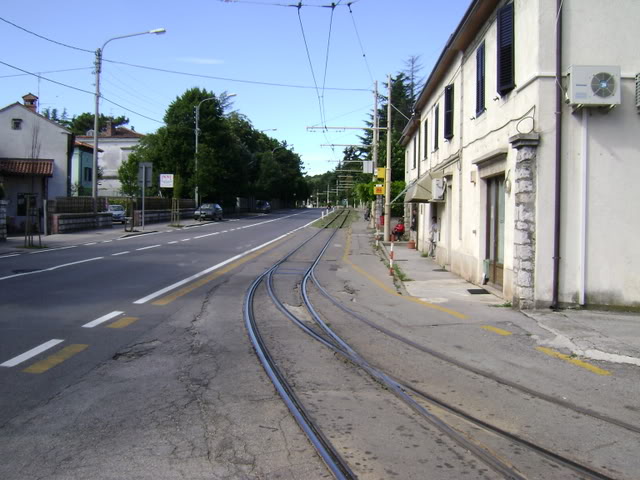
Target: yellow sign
[381,172]
[378,189]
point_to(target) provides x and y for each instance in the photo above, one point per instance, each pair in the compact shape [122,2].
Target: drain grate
[439,270]
[478,291]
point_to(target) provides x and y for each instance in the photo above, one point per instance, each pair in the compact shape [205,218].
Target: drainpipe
[558,154]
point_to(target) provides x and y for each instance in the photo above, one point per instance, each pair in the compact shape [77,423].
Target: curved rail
[323,446]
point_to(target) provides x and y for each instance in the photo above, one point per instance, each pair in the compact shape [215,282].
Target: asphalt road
[64,311]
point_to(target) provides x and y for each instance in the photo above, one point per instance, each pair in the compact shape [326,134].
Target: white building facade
[114,146]
[35,154]
[533,187]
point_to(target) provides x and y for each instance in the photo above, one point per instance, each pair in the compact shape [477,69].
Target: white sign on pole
[166,180]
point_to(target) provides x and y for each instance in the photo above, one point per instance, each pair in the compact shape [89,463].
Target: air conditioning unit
[438,187]
[594,86]
[638,92]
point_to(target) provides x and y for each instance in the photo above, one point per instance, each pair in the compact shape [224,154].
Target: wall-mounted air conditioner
[594,85]
[438,187]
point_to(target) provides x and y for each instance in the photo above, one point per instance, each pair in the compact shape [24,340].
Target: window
[87,174]
[16,124]
[448,112]
[436,127]
[480,105]
[506,81]
[415,150]
[426,139]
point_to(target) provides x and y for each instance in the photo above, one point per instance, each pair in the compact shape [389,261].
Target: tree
[413,72]
[81,124]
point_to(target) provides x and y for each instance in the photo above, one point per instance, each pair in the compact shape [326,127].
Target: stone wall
[73,222]
[525,190]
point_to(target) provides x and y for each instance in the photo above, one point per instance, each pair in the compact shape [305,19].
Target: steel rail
[336,464]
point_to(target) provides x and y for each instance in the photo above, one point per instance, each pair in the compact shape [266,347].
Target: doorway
[495,230]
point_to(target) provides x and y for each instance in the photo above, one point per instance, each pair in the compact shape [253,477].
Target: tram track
[421,403]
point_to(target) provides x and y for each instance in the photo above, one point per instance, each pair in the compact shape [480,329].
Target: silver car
[208,211]
[117,213]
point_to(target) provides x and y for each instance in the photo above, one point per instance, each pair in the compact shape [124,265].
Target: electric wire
[45,38]
[326,60]
[47,72]
[364,56]
[313,74]
[80,90]
[226,79]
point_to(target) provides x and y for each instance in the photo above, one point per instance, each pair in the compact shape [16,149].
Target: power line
[80,90]
[226,79]
[46,38]
[50,71]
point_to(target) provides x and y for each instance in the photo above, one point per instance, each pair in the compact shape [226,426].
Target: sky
[290,68]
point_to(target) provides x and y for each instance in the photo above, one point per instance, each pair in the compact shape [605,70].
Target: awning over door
[421,192]
[24,166]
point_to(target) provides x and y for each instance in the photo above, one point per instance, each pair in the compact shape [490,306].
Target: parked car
[117,213]
[208,211]
[263,206]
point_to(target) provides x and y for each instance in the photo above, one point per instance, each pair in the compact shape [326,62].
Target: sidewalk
[596,335]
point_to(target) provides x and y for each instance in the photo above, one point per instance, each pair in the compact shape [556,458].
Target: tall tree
[413,71]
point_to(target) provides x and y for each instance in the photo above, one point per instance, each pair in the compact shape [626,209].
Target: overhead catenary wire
[364,56]
[46,38]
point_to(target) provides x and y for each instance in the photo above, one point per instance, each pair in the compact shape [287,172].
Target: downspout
[558,154]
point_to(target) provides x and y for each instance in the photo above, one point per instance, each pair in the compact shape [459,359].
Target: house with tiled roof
[114,146]
[35,155]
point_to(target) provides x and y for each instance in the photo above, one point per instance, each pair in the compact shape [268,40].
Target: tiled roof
[116,132]
[86,145]
[24,166]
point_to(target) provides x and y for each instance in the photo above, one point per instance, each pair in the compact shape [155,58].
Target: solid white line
[215,267]
[50,269]
[9,256]
[51,250]
[119,253]
[102,319]
[31,353]
[185,239]
[147,248]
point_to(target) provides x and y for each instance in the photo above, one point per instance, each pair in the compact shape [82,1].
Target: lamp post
[98,64]
[197,112]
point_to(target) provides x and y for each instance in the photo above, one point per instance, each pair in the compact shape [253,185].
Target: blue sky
[241,41]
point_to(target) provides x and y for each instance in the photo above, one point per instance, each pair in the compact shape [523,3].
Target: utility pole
[377,207]
[387,180]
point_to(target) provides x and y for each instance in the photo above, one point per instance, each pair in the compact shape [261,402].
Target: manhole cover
[478,291]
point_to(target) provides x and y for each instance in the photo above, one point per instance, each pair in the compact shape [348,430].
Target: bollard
[391,258]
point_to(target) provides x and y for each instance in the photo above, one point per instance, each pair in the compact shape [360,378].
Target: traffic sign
[166,180]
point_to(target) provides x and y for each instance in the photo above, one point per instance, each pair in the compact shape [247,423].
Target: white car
[117,213]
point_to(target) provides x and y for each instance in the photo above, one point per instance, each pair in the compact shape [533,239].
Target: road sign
[378,189]
[166,180]
[145,171]
[381,173]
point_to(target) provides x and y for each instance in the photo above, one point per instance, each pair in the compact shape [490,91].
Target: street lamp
[98,64]
[197,109]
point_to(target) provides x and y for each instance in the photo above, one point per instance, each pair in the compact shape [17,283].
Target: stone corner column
[525,193]
[3,220]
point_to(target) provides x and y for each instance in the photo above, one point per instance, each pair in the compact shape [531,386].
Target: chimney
[31,102]
[108,131]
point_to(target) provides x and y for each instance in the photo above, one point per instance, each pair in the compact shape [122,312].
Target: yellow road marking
[212,276]
[575,361]
[123,322]
[381,285]
[56,358]
[497,330]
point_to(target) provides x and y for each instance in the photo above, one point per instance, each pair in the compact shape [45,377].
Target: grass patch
[503,305]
